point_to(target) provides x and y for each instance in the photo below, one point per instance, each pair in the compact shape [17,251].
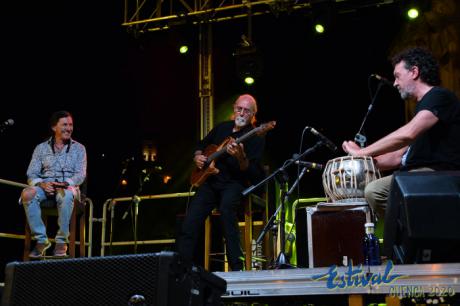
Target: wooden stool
[208,239]
[248,225]
[48,209]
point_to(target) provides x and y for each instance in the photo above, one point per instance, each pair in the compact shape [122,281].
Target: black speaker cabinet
[422,216]
[326,237]
[145,279]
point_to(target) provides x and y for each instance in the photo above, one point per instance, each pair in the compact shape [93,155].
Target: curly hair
[425,61]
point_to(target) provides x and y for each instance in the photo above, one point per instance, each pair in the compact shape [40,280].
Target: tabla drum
[344,178]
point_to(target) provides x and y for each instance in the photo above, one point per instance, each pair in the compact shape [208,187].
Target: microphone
[324,139]
[8,122]
[309,165]
[382,79]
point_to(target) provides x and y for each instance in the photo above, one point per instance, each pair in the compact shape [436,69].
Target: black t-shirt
[438,147]
[229,167]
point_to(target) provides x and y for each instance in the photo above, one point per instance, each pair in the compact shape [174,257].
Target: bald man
[236,169]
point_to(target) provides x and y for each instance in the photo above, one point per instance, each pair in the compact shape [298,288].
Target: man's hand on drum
[351,148]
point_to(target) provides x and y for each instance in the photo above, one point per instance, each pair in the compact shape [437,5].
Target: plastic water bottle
[371,246]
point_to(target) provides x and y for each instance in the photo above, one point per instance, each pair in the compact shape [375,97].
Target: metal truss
[152,15]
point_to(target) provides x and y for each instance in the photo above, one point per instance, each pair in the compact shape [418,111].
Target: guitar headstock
[265,127]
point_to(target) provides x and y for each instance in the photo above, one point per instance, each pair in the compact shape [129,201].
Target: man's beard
[241,121]
[406,93]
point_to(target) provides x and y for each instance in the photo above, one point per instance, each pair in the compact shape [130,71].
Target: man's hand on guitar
[204,161]
[237,150]
[200,160]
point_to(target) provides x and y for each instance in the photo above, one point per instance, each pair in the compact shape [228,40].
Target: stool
[248,225]
[48,209]
[208,239]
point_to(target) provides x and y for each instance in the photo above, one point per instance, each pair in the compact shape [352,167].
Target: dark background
[123,89]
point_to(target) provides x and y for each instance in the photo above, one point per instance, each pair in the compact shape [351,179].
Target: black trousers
[226,197]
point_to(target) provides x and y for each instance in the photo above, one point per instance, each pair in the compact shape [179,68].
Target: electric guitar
[212,152]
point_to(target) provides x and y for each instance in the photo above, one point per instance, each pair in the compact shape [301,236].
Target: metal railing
[110,204]
[88,201]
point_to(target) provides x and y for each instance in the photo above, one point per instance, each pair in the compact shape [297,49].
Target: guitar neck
[247,135]
[218,153]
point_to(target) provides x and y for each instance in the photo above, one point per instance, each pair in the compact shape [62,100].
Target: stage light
[323,15]
[249,80]
[412,13]
[248,62]
[183,49]
[319,28]
[414,9]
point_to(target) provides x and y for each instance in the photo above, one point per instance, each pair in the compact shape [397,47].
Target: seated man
[57,168]
[432,133]
[223,189]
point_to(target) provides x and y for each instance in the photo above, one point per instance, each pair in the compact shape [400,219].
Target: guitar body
[199,176]
[212,152]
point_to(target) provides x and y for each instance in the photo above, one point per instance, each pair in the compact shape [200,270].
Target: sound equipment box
[157,279]
[422,215]
[326,237]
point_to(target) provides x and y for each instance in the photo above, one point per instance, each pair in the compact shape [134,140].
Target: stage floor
[417,281]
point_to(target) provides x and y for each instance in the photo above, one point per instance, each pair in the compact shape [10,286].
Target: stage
[159,278]
[352,285]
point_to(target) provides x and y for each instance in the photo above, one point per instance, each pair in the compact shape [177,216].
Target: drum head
[344,178]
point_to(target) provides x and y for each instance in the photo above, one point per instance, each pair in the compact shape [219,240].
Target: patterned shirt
[68,165]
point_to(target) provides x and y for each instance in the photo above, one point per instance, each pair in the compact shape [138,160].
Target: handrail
[90,218]
[111,203]
[12,183]
[16,184]
[90,226]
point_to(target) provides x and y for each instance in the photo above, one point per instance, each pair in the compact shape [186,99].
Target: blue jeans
[64,205]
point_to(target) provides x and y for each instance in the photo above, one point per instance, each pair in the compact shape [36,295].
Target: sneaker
[60,249]
[39,249]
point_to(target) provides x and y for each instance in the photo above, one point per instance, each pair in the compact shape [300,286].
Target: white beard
[240,121]
[407,92]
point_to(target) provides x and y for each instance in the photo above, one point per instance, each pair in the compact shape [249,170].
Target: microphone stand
[360,138]
[136,200]
[112,204]
[281,260]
